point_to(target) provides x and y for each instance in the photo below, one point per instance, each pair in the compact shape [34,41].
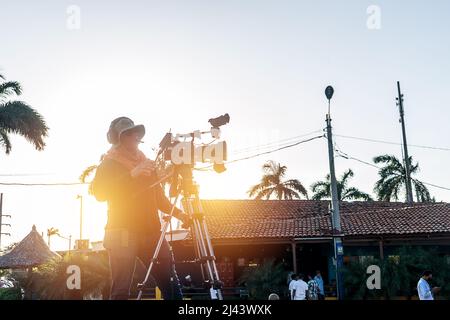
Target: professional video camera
[184,152]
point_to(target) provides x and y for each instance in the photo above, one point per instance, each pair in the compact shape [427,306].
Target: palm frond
[320,185]
[274,168]
[19,118]
[355,194]
[292,194]
[414,167]
[265,193]
[4,141]
[422,192]
[10,87]
[345,177]
[87,172]
[258,187]
[386,158]
[254,190]
[296,185]
[321,194]
[388,188]
[270,167]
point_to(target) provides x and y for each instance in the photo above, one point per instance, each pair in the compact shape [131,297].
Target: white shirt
[291,287]
[424,290]
[300,288]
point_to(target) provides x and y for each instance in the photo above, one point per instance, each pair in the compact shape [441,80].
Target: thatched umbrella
[31,252]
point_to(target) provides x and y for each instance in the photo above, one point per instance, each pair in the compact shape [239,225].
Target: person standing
[294,278]
[313,289]
[300,288]
[133,228]
[319,281]
[423,287]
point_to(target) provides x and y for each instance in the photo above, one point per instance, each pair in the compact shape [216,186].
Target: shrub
[265,279]
[398,276]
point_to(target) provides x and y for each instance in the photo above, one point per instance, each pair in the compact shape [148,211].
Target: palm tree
[322,189]
[51,232]
[16,117]
[271,183]
[393,177]
[86,173]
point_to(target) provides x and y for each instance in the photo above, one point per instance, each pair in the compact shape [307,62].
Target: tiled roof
[247,219]
[431,218]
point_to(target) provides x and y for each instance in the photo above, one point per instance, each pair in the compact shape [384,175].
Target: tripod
[202,243]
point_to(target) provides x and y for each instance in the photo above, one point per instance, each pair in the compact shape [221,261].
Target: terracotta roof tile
[243,219]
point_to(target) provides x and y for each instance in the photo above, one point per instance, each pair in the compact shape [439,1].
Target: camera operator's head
[124,133]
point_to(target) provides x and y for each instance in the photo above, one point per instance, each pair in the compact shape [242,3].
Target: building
[299,234]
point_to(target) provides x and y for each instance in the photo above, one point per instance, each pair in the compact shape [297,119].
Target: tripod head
[182,181]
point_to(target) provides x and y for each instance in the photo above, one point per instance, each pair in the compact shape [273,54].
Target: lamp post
[81,215]
[335,215]
[68,239]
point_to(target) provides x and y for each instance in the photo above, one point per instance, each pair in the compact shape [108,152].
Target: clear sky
[175,64]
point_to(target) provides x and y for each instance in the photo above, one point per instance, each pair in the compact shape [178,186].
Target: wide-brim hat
[123,124]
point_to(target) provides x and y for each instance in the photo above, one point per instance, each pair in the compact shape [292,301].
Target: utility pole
[335,215]
[409,195]
[1,220]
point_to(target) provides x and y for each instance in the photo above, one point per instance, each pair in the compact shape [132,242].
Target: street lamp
[69,238]
[329,94]
[335,215]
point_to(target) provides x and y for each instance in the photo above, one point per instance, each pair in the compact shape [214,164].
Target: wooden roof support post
[381,249]
[294,255]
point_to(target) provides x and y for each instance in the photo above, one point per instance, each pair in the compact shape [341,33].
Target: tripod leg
[211,252]
[187,206]
[202,250]
[211,262]
[209,259]
[141,286]
[202,244]
[209,246]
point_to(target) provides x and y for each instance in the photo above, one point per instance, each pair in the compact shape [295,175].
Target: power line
[392,143]
[436,186]
[23,174]
[278,149]
[346,156]
[274,143]
[263,153]
[42,184]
